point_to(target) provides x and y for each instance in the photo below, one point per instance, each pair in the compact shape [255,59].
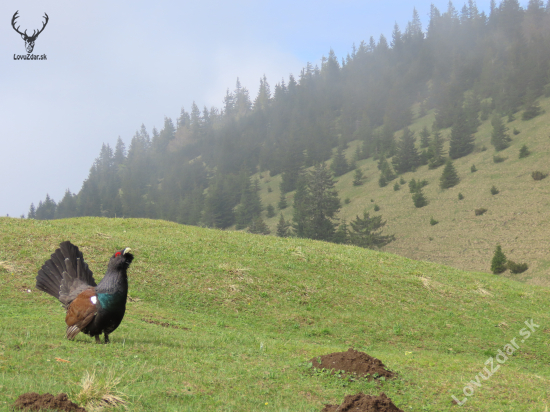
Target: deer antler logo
[29,40]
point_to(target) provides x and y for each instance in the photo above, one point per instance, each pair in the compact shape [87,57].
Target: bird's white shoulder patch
[94,299]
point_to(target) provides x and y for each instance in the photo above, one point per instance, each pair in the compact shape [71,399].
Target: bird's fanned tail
[66,274]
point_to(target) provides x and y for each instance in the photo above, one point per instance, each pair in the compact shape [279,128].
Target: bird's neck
[113,283]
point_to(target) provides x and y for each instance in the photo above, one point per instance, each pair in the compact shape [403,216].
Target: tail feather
[66,274]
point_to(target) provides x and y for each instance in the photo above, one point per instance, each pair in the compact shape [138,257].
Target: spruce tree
[258,227]
[424,137]
[366,232]
[498,263]
[419,199]
[339,164]
[435,151]
[462,140]
[358,178]
[32,212]
[250,205]
[316,203]
[406,158]
[449,178]
[282,202]
[499,137]
[282,227]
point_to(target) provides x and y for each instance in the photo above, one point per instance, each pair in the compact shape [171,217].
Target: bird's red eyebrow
[117,254]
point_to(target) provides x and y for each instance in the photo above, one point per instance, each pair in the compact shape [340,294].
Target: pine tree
[449,178]
[67,207]
[435,151]
[250,205]
[46,210]
[316,205]
[32,212]
[499,138]
[387,174]
[366,232]
[498,263]
[407,158]
[258,227]
[358,178]
[462,140]
[339,164]
[424,137]
[282,227]
[419,199]
[282,202]
[341,236]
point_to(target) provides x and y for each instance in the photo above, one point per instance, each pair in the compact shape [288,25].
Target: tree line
[466,65]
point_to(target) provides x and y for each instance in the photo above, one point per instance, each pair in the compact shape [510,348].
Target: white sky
[112,66]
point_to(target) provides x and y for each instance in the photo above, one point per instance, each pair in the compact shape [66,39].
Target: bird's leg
[106,338]
[97,339]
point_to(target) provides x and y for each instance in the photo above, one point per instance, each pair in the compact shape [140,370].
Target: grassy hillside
[518,217]
[227,321]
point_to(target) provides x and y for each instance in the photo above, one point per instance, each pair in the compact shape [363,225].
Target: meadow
[229,321]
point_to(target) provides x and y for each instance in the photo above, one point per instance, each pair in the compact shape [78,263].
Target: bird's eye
[117,254]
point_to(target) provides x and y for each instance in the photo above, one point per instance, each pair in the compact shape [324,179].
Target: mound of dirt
[354,363]
[364,403]
[31,401]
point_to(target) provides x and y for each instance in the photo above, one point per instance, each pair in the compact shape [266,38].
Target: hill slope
[517,217]
[228,321]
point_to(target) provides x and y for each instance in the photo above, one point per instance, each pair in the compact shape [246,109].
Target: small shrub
[498,159]
[516,131]
[537,175]
[376,208]
[498,263]
[433,222]
[460,196]
[473,169]
[419,200]
[269,189]
[516,267]
[511,117]
[347,200]
[494,191]
[402,181]
[480,211]
[372,200]
[524,151]
[396,186]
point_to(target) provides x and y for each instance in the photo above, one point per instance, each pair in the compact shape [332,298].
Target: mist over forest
[465,65]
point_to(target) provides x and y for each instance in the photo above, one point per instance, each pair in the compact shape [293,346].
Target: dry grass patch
[98,393]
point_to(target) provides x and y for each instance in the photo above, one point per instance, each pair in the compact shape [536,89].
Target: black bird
[91,308]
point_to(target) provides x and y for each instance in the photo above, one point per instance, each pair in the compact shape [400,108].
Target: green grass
[227,321]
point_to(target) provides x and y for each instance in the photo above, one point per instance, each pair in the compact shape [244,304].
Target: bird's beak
[126,250]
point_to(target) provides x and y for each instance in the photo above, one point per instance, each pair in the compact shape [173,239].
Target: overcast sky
[112,66]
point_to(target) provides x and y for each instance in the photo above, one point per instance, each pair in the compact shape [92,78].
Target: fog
[113,66]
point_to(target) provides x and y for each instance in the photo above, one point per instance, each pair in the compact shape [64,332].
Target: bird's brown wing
[80,312]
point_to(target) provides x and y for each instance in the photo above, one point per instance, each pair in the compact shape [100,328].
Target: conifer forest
[467,66]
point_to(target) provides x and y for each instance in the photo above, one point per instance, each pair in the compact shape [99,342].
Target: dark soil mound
[353,362]
[32,401]
[364,403]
